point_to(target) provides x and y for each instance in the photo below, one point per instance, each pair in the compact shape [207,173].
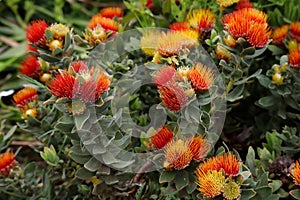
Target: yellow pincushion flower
[149,42]
[227,3]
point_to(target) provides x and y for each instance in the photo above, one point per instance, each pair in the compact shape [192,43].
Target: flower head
[250,24]
[279,34]
[35,32]
[24,97]
[173,97]
[231,191]
[179,26]
[210,183]
[199,147]
[177,154]
[95,36]
[111,12]
[59,31]
[227,3]
[106,23]
[172,42]
[201,77]
[31,67]
[203,20]
[294,57]
[244,4]
[7,162]
[295,30]
[64,85]
[149,42]
[164,75]
[295,172]
[162,137]
[79,66]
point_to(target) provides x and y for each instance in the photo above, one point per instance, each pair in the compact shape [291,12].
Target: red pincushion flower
[244,4]
[31,67]
[106,23]
[164,75]
[162,137]
[7,162]
[64,85]
[111,12]
[279,34]
[258,35]
[25,96]
[35,32]
[295,30]
[199,147]
[79,66]
[178,26]
[173,97]
[201,77]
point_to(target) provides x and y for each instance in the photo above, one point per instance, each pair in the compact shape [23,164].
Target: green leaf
[275,184]
[262,193]
[236,93]
[275,50]
[295,193]
[80,120]
[248,78]
[250,159]
[247,194]
[268,101]
[264,81]
[92,165]
[17,52]
[167,176]
[30,80]
[84,174]
[181,180]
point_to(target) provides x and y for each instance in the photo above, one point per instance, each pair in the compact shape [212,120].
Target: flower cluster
[215,176]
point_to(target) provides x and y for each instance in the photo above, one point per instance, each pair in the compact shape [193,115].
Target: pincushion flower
[244,4]
[177,154]
[201,77]
[162,137]
[64,85]
[231,191]
[149,42]
[106,23]
[95,36]
[31,67]
[7,162]
[294,57]
[178,26]
[164,75]
[173,97]
[203,20]
[111,12]
[199,147]
[226,162]
[24,97]
[171,43]
[250,24]
[295,30]
[35,32]
[279,34]
[227,3]
[295,172]
[210,183]
[59,31]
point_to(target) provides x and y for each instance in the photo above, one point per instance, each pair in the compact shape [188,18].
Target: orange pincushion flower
[294,57]
[164,75]
[64,85]
[172,42]
[227,162]
[162,137]
[111,12]
[201,77]
[279,34]
[295,30]
[31,67]
[7,162]
[295,172]
[173,97]
[211,183]
[177,154]
[250,24]
[106,23]
[35,32]
[244,4]
[103,83]
[25,96]
[203,20]
[178,26]
[199,147]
